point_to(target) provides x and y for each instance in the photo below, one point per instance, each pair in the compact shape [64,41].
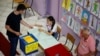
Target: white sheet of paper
[78,11]
[47,43]
[77,27]
[93,22]
[88,4]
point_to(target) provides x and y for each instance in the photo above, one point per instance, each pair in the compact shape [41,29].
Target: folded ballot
[28,39]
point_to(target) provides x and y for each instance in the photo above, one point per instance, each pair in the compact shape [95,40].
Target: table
[45,41]
[57,50]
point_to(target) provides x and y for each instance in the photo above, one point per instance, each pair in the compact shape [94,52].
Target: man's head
[85,33]
[21,8]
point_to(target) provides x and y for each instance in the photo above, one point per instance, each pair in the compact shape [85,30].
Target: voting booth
[28,44]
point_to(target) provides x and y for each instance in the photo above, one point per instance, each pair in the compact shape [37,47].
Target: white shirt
[54,28]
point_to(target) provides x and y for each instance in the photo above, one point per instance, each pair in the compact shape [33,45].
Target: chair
[59,32]
[71,38]
[16,1]
[25,3]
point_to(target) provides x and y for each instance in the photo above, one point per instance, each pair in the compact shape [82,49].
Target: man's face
[21,11]
[84,34]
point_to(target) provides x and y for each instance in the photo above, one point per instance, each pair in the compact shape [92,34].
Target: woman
[51,27]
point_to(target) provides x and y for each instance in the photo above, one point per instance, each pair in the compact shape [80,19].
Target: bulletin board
[80,13]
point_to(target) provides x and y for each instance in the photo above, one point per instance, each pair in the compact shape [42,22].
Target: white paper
[70,22]
[88,4]
[93,22]
[72,8]
[95,8]
[98,27]
[80,2]
[78,12]
[77,27]
[47,43]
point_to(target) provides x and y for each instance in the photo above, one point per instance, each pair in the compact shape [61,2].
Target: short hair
[21,7]
[86,29]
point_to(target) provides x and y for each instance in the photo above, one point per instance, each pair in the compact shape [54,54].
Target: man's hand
[30,27]
[18,33]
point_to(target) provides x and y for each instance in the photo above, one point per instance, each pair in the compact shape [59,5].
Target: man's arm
[11,30]
[26,24]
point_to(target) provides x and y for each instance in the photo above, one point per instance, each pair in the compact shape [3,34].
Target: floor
[5,9]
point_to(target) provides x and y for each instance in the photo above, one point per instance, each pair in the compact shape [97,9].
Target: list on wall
[85,17]
[98,27]
[82,13]
[88,4]
[78,12]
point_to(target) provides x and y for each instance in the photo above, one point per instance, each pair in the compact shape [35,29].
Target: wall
[39,6]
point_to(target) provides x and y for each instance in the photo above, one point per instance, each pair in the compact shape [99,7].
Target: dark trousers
[13,44]
[55,35]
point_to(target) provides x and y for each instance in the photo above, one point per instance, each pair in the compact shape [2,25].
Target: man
[13,27]
[86,46]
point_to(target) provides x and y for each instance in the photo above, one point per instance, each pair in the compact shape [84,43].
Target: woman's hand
[41,30]
[38,25]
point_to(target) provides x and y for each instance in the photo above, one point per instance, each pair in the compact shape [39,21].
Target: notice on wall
[98,27]
[80,2]
[93,22]
[95,8]
[88,4]
[78,12]
[66,4]
[85,17]
[72,7]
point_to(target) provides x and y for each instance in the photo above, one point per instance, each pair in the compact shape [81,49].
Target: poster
[98,27]
[80,2]
[95,8]
[77,27]
[66,4]
[78,12]
[70,23]
[93,22]
[72,7]
[99,14]
[85,17]
[88,4]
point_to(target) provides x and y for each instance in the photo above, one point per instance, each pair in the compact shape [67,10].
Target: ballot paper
[28,39]
[47,43]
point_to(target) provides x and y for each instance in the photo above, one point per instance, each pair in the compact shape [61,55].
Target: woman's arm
[49,33]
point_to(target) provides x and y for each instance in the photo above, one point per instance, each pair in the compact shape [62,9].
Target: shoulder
[56,24]
[10,15]
[91,38]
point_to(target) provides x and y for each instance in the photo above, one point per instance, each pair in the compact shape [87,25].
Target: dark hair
[21,7]
[52,20]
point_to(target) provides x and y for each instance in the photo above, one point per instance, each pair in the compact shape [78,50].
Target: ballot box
[57,50]
[28,44]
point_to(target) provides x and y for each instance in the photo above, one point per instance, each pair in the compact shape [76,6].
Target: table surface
[45,40]
[57,50]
